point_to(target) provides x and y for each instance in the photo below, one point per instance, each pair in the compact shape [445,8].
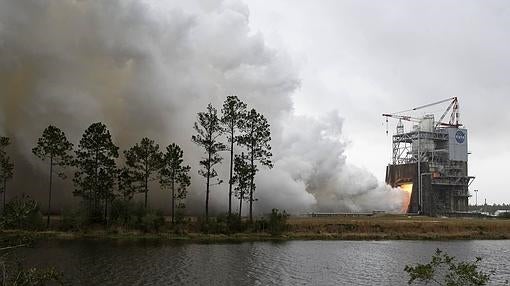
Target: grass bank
[395,227]
[384,227]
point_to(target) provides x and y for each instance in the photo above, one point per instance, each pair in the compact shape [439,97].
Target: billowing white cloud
[311,152]
[146,69]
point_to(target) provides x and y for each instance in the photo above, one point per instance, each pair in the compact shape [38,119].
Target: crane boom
[402,117]
[453,107]
[427,105]
[435,103]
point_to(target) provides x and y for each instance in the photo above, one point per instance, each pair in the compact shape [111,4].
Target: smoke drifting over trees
[146,71]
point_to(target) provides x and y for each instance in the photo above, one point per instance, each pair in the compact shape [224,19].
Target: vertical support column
[420,189]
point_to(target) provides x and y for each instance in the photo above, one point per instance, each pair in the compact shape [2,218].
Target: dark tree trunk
[241,203]
[90,202]
[49,193]
[173,201]
[207,189]
[96,184]
[146,191]
[5,191]
[106,210]
[231,170]
[251,186]
[147,174]
[146,181]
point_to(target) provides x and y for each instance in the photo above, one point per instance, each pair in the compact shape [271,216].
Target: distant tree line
[491,209]
[99,180]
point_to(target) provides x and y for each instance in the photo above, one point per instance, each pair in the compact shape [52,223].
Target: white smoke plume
[145,68]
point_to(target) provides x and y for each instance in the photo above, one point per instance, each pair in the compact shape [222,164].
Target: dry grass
[401,227]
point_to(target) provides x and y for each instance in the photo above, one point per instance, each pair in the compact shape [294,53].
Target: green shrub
[259,225]
[212,226]
[179,215]
[277,222]
[123,214]
[222,224]
[133,215]
[207,226]
[180,223]
[22,213]
[75,219]
[446,270]
[235,224]
[126,213]
[152,221]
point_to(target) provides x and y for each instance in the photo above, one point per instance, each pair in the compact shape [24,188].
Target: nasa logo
[460,137]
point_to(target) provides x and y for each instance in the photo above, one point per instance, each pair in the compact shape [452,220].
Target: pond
[254,263]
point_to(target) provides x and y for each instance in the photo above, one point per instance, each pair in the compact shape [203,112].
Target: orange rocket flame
[408,189]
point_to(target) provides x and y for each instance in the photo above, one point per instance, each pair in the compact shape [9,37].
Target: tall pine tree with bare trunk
[54,147]
[256,138]
[96,168]
[144,161]
[208,130]
[6,167]
[233,113]
[174,175]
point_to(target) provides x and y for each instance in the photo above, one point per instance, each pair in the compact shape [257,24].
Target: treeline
[100,181]
[489,208]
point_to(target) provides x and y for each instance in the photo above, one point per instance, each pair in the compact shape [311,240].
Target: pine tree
[256,139]
[144,161]
[233,114]
[208,131]
[126,183]
[174,174]
[242,178]
[54,147]
[95,160]
[6,166]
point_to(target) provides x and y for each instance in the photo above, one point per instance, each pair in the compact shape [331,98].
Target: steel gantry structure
[432,156]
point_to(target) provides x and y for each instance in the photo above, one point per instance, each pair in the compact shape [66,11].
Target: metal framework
[449,181]
[454,115]
[403,146]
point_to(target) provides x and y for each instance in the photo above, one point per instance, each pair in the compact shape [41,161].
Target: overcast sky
[364,58]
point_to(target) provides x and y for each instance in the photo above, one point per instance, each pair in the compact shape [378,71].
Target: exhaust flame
[408,189]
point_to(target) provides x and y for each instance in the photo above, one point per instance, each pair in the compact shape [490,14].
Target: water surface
[254,263]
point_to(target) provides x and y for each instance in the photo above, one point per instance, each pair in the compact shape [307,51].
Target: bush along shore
[132,221]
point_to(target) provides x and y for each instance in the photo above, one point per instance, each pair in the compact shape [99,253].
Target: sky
[365,58]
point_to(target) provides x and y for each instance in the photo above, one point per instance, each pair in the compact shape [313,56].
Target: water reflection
[259,263]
